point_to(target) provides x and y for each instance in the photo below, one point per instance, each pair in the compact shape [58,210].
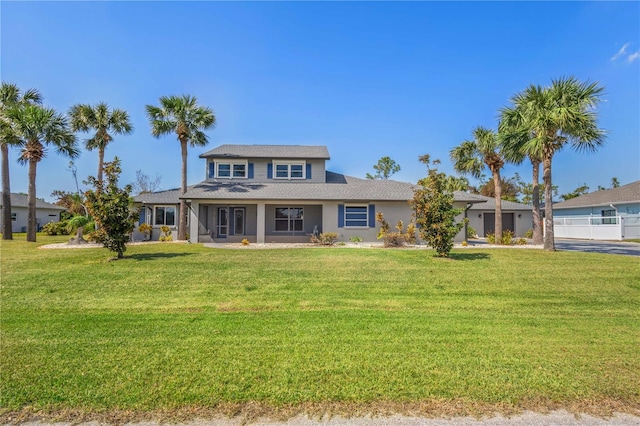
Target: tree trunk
[537,217]
[497,186]
[100,163]
[549,243]
[31,202]
[7,225]
[182,225]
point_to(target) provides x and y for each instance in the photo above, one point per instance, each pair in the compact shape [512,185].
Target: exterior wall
[260,171]
[523,220]
[393,212]
[156,232]
[43,216]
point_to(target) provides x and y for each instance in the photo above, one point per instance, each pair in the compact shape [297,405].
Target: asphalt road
[608,247]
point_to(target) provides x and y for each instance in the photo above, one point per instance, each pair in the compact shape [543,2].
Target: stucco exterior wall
[260,171]
[43,216]
[523,220]
[623,209]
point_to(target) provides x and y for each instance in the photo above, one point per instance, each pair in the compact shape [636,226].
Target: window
[608,217]
[289,170]
[356,216]
[289,219]
[165,215]
[231,170]
[14,217]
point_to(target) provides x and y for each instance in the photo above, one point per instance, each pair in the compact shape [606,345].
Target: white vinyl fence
[597,227]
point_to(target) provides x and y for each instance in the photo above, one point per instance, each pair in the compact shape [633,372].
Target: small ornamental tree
[110,207]
[434,212]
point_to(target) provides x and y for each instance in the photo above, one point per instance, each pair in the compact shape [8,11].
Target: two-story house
[280,193]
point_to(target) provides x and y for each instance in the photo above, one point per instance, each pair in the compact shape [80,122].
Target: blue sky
[366,79]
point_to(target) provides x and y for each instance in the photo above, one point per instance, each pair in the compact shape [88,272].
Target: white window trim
[366,209]
[14,217]
[231,164]
[175,215]
[287,163]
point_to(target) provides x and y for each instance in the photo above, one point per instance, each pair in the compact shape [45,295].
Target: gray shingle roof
[628,193]
[20,200]
[268,151]
[337,187]
[490,204]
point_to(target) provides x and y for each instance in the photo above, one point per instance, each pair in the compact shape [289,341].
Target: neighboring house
[607,214]
[45,212]
[280,193]
[516,217]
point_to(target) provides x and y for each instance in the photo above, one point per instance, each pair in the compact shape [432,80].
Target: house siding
[259,169]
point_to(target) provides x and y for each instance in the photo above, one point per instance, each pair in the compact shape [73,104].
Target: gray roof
[338,187]
[268,151]
[629,193]
[490,204]
[20,200]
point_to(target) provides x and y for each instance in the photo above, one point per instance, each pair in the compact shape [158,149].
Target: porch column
[194,222]
[260,225]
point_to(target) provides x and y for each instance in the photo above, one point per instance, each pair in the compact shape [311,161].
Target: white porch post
[193,222]
[260,225]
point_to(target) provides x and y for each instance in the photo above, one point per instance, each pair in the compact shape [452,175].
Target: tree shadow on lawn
[469,256]
[153,256]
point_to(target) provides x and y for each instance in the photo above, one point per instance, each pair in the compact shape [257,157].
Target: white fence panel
[630,227]
[596,227]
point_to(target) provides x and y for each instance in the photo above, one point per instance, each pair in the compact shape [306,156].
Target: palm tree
[470,157]
[37,127]
[552,117]
[182,115]
[514,137]
[10,97]
[104,121]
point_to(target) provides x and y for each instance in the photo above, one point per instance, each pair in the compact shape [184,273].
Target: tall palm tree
[183,116]
[470,157]
[561,113]
[10,97]
[515,135]
[37,127]
[104,121]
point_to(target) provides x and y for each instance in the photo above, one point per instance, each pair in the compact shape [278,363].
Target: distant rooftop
[268,151]
[628,193]
[20,200]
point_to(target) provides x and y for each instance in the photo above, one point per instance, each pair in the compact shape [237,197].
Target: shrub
[394,239]
[521,241]
[491,238]
[529,233]
[145,229]
[244,242]
[464,244]
[355,239]
[507,238]
[56,228]
[325,238]
[471,232]
[166,233]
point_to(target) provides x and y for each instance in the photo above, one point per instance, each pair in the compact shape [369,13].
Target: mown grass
[176,325]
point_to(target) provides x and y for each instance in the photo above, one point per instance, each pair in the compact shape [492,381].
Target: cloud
[633,56]
[621,52]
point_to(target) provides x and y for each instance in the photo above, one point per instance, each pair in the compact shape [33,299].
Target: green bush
[471,232]
[507,238]
[521,241]
[355,239]
[56,228]
[529,233]
[325,239]
[394,239]
[491,238]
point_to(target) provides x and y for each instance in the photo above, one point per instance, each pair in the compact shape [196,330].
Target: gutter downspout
[466,222]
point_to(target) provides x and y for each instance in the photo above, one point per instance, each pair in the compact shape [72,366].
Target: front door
[490,223]
[223,222]
[238,221]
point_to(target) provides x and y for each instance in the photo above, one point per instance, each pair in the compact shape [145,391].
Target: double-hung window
[231,170]
[289,219]
[165,215]
[14,217]
[608,217]
[289,169]
[356,216]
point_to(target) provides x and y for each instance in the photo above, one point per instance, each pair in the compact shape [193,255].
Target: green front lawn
[177,326]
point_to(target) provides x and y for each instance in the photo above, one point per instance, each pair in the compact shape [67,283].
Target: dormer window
[289,170]
[229,170]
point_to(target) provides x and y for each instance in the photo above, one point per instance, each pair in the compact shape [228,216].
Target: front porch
[218,222]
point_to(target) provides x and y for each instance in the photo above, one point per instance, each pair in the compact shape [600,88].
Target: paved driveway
[590,246]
